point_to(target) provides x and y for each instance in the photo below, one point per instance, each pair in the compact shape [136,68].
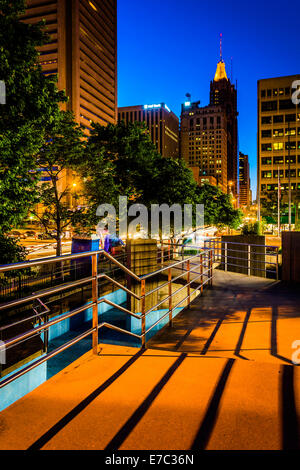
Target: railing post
[201,272]
[143,300]
[211,267]
[249,260]
[277,270]
[95,301]
[188,278]
[169,250]
[226,256]
[170,297]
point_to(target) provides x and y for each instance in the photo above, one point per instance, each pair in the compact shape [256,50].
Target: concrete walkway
[220,379]
[247,317]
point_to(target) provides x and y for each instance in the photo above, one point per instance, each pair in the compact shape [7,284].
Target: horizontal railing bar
[119,285]
[119,307]
[52,290]
[254,269]
[117,328]
[37,315]
[173,308]
[55,259]
[157,288]
[243,243]
[47,325]
[247,260]
[45,358]
[172,295]
[171,266]
[158,321]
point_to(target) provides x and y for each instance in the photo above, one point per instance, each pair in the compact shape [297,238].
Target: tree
[269,206]
[218,208]
[61,153]
[121,160]
[31,104]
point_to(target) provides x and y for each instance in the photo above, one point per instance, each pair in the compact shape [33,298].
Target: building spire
[221,71]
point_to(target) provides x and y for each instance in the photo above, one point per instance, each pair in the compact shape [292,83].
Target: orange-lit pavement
[192,389]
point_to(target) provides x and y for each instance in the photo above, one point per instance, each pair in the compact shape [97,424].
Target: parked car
[31,234]
[16,234]
[45,236]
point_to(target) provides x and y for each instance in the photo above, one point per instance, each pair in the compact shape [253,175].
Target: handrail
[206,256]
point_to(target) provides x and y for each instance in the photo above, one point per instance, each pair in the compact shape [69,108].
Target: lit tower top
[221,71]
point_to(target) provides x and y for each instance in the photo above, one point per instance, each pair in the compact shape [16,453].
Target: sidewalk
[220,379]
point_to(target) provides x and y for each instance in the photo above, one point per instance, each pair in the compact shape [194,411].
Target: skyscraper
[223,93]
[162,124]
[83,52]
[204,142]
[244,181]
[209,135]
[278,143]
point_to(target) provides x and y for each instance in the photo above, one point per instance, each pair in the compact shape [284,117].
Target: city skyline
[188,62]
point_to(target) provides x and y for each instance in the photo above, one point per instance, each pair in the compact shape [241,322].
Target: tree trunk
[58,245]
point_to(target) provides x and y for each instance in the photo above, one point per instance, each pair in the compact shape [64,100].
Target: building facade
[82,51]
[209,135]
[245,198]
[204,142]
[278,143]
[162,124]
[223,93]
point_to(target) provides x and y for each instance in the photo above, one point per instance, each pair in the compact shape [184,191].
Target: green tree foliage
[122,160]
[11,251]
[62,152]
[257,228]
[269,206]
[31,104]
[218,208]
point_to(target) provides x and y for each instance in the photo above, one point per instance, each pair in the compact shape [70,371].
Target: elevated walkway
[221,378]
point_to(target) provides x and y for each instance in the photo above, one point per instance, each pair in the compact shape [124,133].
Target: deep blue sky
[167,48]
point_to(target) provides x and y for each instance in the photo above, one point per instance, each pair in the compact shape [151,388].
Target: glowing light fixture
[187,103]
[151,106]
[93,6]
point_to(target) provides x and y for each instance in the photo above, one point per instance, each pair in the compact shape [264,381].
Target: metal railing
[198,267]
[245,258]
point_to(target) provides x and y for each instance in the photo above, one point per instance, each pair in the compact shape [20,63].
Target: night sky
[167,48]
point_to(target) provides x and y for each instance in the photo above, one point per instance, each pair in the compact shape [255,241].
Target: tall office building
[245,198]
[278,142]
[162,124]
[223,93]
[83,52]
[209,135]
[204,142]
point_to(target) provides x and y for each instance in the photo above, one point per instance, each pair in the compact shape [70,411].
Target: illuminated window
[290,131]
[278,146]
[278,133]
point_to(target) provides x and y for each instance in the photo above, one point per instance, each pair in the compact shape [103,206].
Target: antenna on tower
[221,51]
